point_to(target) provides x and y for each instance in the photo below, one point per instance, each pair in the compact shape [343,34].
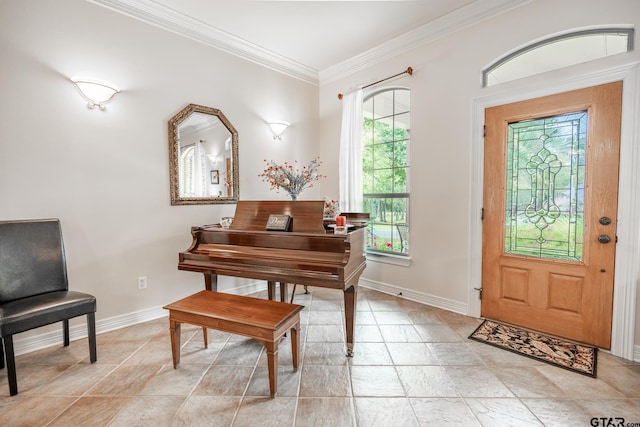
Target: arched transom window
[557,52]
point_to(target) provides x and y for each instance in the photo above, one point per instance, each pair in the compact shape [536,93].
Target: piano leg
[211,281]
[271,291]
[350,297]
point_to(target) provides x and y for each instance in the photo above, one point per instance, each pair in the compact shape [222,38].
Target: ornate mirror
[203,157]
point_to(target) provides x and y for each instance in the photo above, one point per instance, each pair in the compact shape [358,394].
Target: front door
[550,213]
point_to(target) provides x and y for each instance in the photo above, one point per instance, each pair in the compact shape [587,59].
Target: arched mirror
[203,157]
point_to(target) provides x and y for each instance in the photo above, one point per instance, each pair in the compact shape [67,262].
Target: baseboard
[31,343]
[48,339]
[431,300]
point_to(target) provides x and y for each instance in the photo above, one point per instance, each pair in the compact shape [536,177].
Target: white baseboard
[49,339]
[438,302]
[52,338]
[434,301]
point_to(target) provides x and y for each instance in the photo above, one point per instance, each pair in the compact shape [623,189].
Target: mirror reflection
[203,160]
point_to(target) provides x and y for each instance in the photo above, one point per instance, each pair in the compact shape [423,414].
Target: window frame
[395,231]
[609,31]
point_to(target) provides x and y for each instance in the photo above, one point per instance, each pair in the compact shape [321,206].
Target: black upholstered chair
[34,288]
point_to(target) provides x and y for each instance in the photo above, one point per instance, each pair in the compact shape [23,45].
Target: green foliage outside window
[385,171]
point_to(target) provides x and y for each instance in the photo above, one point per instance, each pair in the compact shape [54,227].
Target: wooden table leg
[350,297]
[272,363]
[174,327]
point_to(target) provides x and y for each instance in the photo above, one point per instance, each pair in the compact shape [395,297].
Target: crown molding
[171,20]
[467,16]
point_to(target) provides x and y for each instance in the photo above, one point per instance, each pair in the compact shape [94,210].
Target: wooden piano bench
[264,320]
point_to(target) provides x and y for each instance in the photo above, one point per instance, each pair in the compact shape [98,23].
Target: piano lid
[252,215]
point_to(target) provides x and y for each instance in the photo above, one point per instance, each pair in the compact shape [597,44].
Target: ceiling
[307,39]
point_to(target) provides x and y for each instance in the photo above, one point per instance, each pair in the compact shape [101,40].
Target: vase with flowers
[291,177]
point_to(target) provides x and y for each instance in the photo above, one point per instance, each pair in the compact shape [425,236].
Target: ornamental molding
[170,20]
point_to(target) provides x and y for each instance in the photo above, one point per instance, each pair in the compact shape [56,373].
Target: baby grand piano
[307,254]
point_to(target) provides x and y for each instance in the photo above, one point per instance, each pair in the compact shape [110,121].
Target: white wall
[105,174]
[444,87]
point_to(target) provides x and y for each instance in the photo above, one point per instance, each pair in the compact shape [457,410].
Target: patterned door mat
[555,351]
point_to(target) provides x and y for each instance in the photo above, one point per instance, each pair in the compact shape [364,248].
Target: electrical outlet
[142,282]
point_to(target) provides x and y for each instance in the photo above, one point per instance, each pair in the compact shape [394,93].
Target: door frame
[627,271]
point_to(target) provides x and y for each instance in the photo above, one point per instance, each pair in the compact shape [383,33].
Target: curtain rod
[409,71]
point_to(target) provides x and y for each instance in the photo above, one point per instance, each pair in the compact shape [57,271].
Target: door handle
[605,220]
[603,238]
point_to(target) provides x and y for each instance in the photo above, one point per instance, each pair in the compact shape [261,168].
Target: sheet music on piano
[278,222]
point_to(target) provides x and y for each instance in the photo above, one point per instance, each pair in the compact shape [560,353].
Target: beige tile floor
[413,365]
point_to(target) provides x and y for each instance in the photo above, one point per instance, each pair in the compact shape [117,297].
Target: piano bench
[263,320]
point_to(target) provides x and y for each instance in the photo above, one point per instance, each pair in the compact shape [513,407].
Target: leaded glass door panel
[550,209]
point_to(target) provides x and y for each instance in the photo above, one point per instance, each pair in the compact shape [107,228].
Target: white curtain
[199,170]
[351,153]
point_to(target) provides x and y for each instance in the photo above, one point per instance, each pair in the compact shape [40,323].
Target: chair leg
[1,354]
[11,365]
[91,329]
[65,332]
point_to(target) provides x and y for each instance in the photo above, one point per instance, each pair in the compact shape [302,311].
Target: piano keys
[307,255]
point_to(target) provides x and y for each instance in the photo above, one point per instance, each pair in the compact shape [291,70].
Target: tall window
[385,170]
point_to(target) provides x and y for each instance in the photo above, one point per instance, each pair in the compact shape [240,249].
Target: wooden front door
[550,213]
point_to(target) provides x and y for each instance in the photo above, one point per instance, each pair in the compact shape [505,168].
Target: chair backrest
[32,259]
[403,232]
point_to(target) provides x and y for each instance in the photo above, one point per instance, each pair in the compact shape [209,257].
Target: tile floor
[413,366]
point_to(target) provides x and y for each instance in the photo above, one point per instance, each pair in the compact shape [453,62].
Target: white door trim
[627,274]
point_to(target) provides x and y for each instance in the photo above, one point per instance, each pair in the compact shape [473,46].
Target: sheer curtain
[199,170]
[351,153]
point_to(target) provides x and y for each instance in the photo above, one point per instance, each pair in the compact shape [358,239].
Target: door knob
[605,220]
[603,238]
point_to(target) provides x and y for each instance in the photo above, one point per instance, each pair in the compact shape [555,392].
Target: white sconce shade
[278,129]
[96,92]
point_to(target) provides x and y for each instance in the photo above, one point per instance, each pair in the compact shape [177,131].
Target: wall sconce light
[96,92]
[278,129]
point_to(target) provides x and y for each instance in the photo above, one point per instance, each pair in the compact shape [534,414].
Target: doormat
[565,354]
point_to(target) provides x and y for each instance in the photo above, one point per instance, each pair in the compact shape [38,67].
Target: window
[545,187]
[385,170]
[557,52]
[187,163]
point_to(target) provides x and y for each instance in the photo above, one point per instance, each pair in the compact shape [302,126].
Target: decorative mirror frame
[174,158]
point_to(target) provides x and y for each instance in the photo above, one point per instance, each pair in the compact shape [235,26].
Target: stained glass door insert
[545,187]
